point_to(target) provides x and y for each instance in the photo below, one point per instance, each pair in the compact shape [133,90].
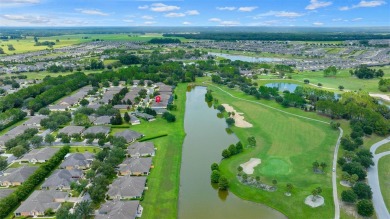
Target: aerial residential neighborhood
[194,109]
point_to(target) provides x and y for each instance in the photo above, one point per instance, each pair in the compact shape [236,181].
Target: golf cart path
[373,181]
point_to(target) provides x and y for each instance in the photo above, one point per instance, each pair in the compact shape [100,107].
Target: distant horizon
[175,13]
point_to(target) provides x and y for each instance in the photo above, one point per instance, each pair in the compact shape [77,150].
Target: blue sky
[325,13]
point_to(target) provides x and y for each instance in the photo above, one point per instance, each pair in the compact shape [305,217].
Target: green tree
[252,141]
[362,190]
[348,196]
[126,117]
[240,169]
[330,71]
[49,138]
[3,163]
[232,149]
[215,175]
[230,121]
[289,187]
[274,182]
[214,166]
[18,151]
[36,140]
[84,102]
[226,153]
[83,209]
[365,208]
[223,183]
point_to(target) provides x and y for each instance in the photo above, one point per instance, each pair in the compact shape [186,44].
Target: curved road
[373,180]
[334,177]
[336,150]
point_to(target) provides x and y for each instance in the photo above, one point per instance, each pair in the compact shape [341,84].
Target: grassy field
[383,148]
[27,45]
[82,149]
[343,78]
[384,178]
[161,199]
[330,83]
[287,146]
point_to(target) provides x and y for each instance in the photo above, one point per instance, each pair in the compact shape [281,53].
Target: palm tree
[289,187]
[274,182]
[315,165]
[323,165]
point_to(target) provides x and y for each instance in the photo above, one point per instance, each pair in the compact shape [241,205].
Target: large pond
[244,58]
[283,86]
[290,87]
[206,138]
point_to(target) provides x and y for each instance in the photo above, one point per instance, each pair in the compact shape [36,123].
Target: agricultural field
[287,147]
[27,45]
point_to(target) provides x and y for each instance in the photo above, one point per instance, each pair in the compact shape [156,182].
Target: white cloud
[149,22]
[143,7]
[247,9]
[17,3]
[92,12]
[186,23]
[147,17]
[160,7]
[175,15]
[288,14]
[344,8]
[128,21]
[369,4]
[337,19]
[314,4]
[192,12]
[26,18]
[229,23]
[357,19]
[226,8]
[318,23]
[215,20]
[364,4]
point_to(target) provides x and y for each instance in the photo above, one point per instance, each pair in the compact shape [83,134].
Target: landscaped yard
[161,199]
[383,148]
[384,179]
[287,146]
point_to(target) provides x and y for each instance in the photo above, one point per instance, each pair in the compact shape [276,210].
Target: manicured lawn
[17,164]
[384,178]
[161,199]
[287,146]
[82,149]
[383,148]
[343,78]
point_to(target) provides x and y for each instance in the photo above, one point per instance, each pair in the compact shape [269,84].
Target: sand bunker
[238,117]
[382,96]
[319,201]
[249,166]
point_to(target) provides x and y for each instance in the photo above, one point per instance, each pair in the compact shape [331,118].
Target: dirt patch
[248,167]
[238,117]
[316,202]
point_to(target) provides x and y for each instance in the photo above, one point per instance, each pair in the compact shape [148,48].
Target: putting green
[273,166]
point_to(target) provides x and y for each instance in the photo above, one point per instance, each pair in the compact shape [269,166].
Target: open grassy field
[330,83]
[343,78]
[161,199]
[27,45]
[384,179]
[383,148]
[287,146]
